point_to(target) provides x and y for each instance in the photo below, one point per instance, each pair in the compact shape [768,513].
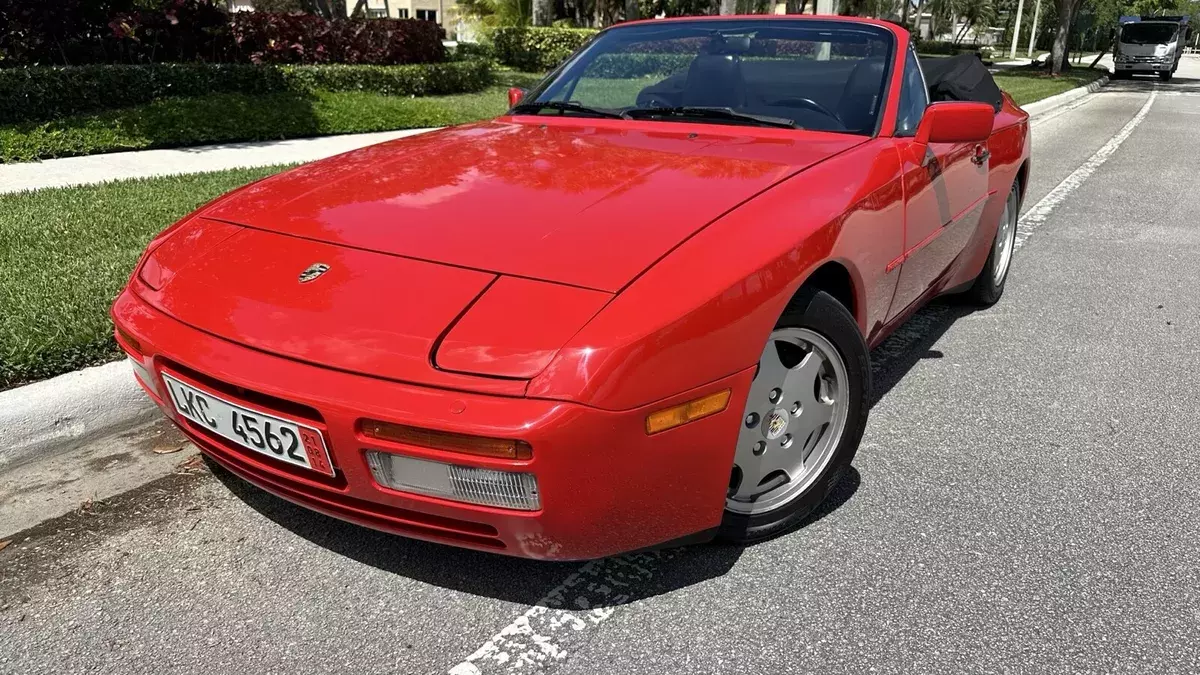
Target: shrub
[473,50]
[77,32]
[306,38]
[638,65]
[30,94]
[62,31]
[537,49]
[942,47]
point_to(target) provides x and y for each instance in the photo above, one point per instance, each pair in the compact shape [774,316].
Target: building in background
[441,12]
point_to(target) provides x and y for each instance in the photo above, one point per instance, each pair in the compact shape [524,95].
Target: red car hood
[585,203]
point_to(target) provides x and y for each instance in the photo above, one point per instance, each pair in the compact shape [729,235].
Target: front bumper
[606,487]
[1145,65]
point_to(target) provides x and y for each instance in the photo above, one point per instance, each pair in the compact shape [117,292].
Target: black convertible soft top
[960,78]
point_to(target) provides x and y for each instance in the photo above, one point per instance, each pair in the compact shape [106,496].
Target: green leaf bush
[45,93]
[537,48]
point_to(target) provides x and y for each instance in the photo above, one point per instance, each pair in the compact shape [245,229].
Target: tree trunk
[904,6]
[1058,52]
[631,10]
[795,6]
[543,12]
[1012,54]
[728,7]
[920,12]
[360,10]
[1037,12]
[1103,51]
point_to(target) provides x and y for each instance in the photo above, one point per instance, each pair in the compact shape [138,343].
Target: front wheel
[989,285]
[803,419]
[1165,76]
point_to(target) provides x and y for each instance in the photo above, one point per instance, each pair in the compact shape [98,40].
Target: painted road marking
[1038,214]
[545,634]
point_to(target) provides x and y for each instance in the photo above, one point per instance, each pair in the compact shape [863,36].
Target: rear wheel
[803,419]
[989,285]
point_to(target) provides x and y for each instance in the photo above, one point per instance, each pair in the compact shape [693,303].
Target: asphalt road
[1025,500]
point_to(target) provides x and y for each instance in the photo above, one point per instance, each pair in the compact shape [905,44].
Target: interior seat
[862,97]
[715,80]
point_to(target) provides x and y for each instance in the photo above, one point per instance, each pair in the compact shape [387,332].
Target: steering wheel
[807,103]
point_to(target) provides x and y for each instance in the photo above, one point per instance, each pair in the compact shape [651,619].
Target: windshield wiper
[563,106]
[711,113]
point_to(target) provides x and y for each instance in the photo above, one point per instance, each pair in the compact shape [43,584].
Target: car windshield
[823,75]
[1147,33]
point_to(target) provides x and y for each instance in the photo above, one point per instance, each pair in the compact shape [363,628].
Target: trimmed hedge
[638,65]
[537,48]
[942,47]
[305,38]
[78,32]
[32,94]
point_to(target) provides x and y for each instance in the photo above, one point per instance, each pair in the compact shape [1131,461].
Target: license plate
[265,434]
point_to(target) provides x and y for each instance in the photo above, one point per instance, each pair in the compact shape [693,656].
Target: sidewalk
[145,163]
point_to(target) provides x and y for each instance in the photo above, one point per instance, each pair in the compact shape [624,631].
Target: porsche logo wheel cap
[313,271]
[777,423]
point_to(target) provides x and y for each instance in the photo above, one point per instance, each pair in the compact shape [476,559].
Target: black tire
[986,290]
[1165,76]
[819,312]
[1120,75]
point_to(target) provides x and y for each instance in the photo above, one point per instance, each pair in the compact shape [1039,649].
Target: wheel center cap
[776,423]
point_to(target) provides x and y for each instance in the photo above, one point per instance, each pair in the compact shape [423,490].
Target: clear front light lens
[488,487]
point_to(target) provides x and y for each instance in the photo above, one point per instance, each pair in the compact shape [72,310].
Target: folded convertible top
[960,78]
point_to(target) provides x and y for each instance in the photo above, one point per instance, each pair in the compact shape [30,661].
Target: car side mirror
[956,122]
[515,94]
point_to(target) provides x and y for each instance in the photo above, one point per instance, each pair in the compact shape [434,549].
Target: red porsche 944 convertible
[634,310]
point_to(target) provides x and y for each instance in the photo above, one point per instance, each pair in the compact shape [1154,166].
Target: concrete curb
[1058,100]
[46,417]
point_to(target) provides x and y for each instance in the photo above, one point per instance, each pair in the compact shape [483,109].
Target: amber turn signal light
[129,342]
[442,440]
[687,412]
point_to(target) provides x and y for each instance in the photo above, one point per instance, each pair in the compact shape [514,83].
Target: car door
[945,188]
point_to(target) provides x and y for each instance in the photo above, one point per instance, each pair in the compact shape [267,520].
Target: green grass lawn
[67,252]
[220,118]
[1027,86]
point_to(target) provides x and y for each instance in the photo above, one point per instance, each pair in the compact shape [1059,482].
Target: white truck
[1149,44]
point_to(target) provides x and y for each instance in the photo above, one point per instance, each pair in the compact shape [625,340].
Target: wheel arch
[1022,180]
[835,278]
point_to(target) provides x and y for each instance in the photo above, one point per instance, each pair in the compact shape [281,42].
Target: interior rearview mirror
[515,95]
[956,122]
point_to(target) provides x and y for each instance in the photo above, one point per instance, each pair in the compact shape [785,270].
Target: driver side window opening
[914,97]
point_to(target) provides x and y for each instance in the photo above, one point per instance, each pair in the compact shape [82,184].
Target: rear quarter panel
[1010,148]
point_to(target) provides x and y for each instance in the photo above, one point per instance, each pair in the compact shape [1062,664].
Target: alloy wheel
[794,418]
[1005,238]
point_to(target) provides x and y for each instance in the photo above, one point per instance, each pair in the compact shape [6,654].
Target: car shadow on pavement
[493,575]
[527,581]
[910,344]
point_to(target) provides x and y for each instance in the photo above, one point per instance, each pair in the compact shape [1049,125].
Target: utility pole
[1012,53]
[1037,11]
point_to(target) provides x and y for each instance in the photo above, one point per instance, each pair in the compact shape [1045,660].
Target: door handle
[981,155]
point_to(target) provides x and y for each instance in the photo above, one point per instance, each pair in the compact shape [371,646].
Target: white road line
[544,635]
[1037,215]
